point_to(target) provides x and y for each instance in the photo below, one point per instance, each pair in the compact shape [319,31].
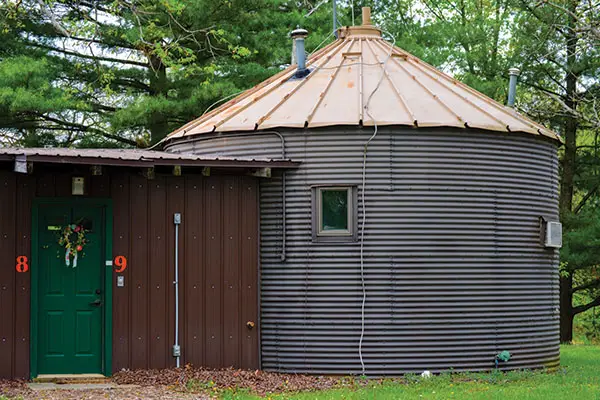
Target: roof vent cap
[513,74]
[366,16]
[299,53]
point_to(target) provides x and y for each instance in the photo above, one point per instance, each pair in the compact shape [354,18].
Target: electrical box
[120,281]
[78,186]
[177,218]
[176,351]
[553,234]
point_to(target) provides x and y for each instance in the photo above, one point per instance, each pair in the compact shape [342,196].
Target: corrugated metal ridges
[455,271]
[343,76]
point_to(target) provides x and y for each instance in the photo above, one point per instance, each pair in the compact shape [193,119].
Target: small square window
[333,213]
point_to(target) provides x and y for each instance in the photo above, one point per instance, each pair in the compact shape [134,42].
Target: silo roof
[343,76]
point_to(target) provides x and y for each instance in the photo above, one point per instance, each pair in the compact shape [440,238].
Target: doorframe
[108,311]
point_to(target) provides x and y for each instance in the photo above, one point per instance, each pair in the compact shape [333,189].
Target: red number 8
[22,265]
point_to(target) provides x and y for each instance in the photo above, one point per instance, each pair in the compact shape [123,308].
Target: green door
[70,299]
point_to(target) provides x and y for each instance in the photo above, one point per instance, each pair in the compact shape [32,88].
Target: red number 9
[121,262]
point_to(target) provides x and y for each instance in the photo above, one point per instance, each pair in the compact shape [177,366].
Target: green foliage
[26,87]
[579,373]
[114,72]
[469,39]
[587,324]
[581,240]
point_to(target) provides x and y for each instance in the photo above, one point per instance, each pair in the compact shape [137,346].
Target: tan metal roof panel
[344,75]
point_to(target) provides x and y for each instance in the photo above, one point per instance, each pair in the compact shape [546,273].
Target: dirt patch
[217,380]
[188,383]
[19,390]
[12,389]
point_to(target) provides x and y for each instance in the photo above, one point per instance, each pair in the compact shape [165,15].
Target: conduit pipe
[176,347]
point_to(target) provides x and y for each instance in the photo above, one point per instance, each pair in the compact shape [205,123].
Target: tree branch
[52,19]
[585,307]
[586,198]
[533,85]
[132,83]
[88,57]
[589,285]
[85,128]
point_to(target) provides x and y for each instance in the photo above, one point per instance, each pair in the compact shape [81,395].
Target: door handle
[96,303]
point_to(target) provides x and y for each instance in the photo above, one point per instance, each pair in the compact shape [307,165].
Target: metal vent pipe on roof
[513,74]
[366,16]
[298,36]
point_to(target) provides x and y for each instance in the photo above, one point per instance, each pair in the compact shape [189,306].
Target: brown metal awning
[134,158]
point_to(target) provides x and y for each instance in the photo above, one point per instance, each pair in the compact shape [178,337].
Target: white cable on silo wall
[364,208]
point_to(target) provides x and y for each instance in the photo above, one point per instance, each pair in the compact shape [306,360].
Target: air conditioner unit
[553,236]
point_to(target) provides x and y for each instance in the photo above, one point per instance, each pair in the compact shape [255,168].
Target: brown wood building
[95,319]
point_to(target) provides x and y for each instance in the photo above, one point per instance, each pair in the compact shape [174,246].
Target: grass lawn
[578,378]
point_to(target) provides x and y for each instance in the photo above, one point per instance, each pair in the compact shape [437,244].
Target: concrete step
[71,378]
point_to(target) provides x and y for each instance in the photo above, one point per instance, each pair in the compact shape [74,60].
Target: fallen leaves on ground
[207,380]
[19,390]
[187,383]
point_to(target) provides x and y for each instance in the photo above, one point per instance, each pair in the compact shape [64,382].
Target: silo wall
[454,267]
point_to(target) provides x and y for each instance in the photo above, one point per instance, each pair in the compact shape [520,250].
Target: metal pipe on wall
[176,347]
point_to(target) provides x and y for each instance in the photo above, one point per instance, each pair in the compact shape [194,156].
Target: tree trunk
[568,161]
[566,309]
[159,86]
[568,168]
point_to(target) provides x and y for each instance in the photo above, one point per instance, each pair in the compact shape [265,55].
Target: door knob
[250,324]
[96,303]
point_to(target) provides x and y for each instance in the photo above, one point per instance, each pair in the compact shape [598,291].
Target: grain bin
[413,235]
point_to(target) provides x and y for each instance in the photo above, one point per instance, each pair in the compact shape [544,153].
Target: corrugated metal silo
[456,192]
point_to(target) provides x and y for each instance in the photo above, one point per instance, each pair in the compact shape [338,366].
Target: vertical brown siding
[231,273]
[119,188]
[159,340]
[100,186]
[249,272]
[214,303]
[62,183]
[193,284]
[218,266]
[25,194]
[45,186]
[8,186]
[138,263]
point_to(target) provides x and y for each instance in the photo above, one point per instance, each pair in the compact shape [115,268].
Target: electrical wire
[364,208]
[320,44]
[205,111]
[220,100]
